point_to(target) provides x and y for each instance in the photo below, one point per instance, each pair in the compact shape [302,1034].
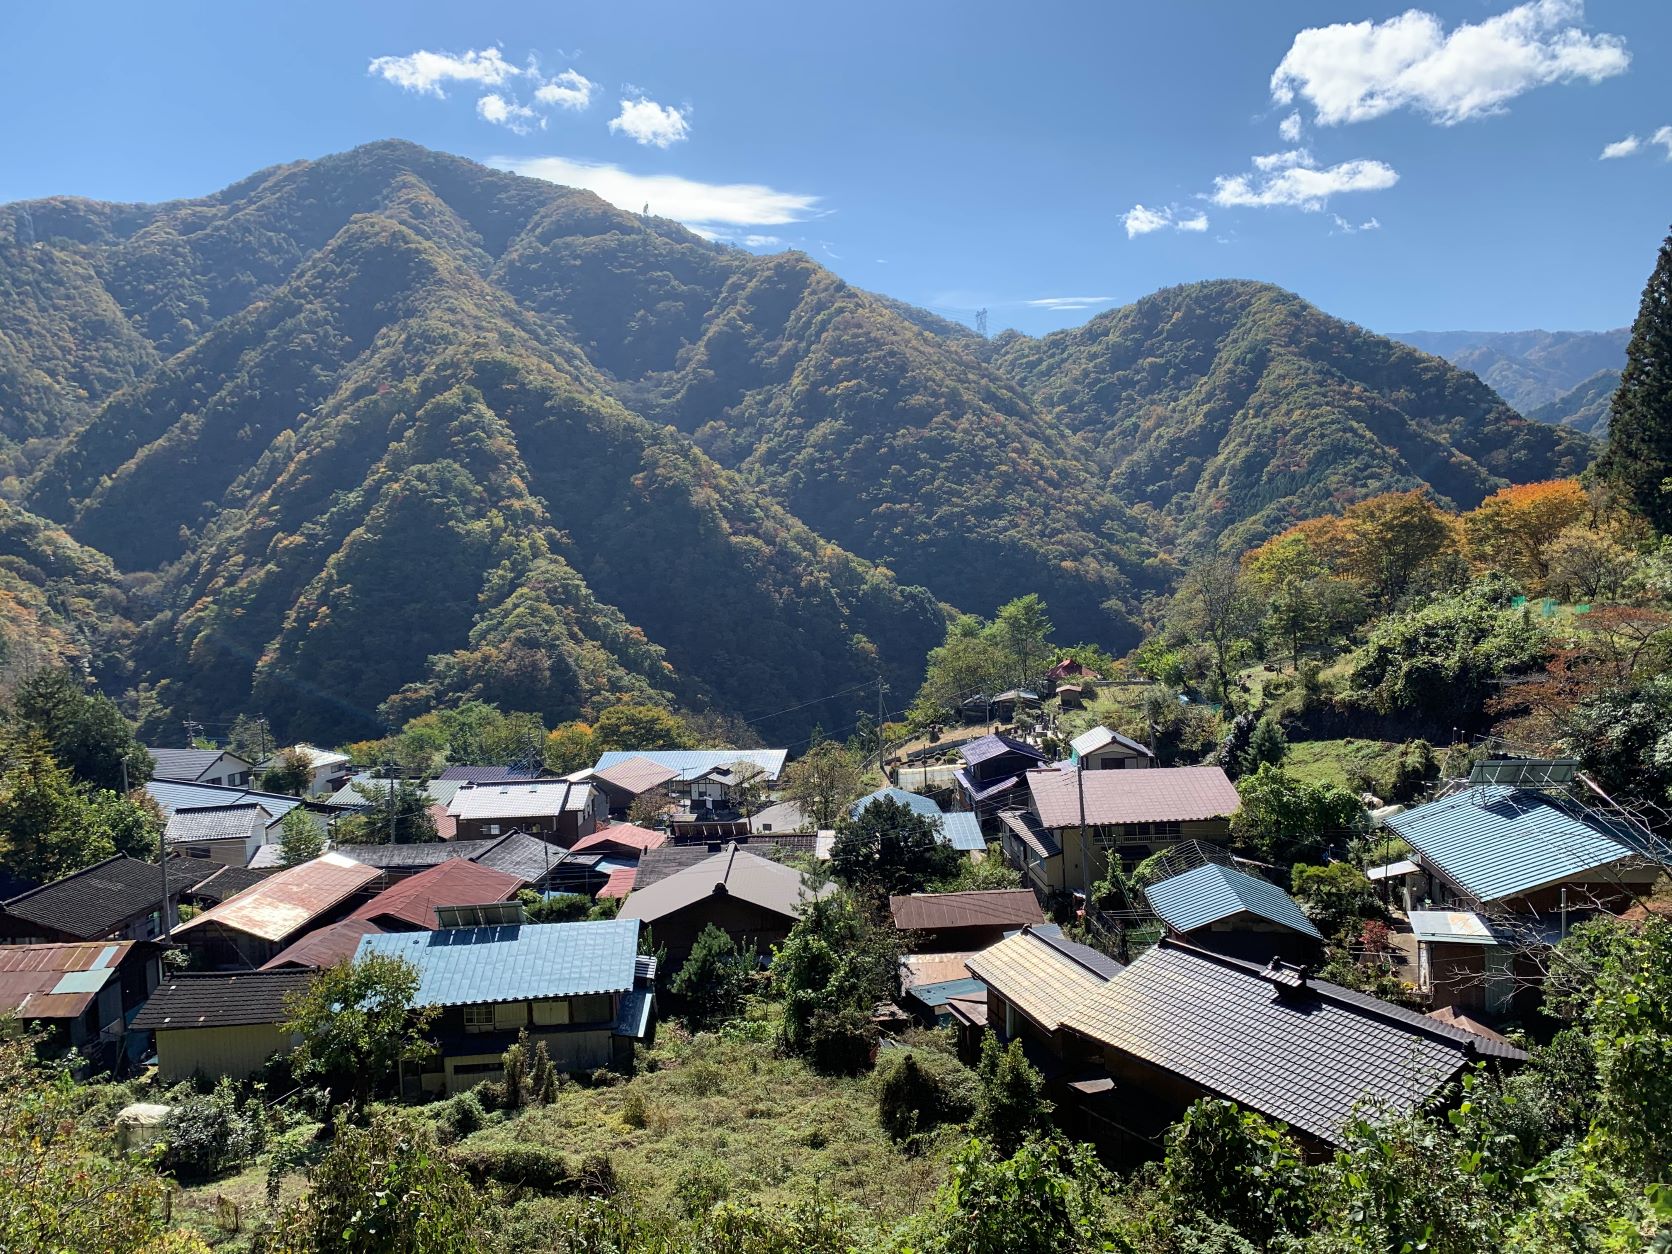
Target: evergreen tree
[300,838]
[890,846]
[45,820]
[714,978]
[1639,453]
[86,732]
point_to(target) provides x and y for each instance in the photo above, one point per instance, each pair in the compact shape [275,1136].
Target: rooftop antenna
[981,323]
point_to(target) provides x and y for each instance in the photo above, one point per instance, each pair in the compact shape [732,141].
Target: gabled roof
[619,884]
[436,790]
[100,899]
[186,764]
[174,795]
[984,747]
[733,872]
[516,853]
[1309,1054]
[324,947]
[237,822]
[221,1001]
[482,774]
[227,881]
[916,802]
[1494,841]
[689,764]
[1101,738]
[1209,893]
[636,775]
[287,901]
[317,758]
[515,962]
[962,830]
[625,837]
[999,907]
[457,882]
[1159,794]
[1044,981]
[57,981]
[521,800]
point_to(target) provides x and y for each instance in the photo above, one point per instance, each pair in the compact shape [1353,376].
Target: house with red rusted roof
[248,929]
[323,947]
[410,905]
[80,993]
[940,922]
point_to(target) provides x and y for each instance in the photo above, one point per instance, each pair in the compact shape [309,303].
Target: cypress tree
[1639,454]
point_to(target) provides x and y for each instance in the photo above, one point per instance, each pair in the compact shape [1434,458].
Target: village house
[556,811]
[120,898]
[247,930]
[581,988]
[220,1026]
[1075,821]
[1232,912]
[229,835]
[222,882]
[220,767]
[176,796]
[527,857]
[410,905]
[1103,750]
[704,787]
[624,781]
[939,922]
[1497,875]
[753,900]
[80,993]
[1128,1051]
[992,777]
[329,770]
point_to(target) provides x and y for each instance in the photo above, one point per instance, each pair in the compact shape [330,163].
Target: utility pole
[389,772]
[880,769]
[192,729]
[261,727]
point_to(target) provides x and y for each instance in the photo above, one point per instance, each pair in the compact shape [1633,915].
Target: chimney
[1284,975]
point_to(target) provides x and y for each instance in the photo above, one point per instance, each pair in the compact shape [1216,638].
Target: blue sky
[1441,167]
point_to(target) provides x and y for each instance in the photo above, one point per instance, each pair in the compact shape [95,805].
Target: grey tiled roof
[229,881]
[238,822]
[1303,1052]
[182,764]
[94,902]
[220,1001]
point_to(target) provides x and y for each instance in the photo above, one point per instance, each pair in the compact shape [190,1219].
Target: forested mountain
[58,601]
[1529,369]
[389,428]
[1585,407]
[1234,408]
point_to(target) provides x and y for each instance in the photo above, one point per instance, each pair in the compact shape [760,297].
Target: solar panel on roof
[488,914]
[1524,772]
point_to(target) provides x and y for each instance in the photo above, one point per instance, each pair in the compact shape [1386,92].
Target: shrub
[917,1089]
[634,1112]
[536,1168]
[208,1135]
[840,1042]
[704,1182]
[714,978]
[461,1114]
[1012,1097]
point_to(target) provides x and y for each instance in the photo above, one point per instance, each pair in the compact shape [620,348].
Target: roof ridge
[1057,944]
[115,857]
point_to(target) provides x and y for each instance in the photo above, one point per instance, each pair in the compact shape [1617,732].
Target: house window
[478,1068]
[510,1014]
[478,1018]
[551,1013]
[196,851]
[599,1008]
[493,829]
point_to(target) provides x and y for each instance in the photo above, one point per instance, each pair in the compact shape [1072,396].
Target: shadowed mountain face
[387,429]
[1554,376]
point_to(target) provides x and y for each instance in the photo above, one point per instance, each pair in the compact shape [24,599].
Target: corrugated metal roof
[517,962]
[287,901]
[186,764]
[1209,893]
[457,882]
[1310,1055]
[917,803]
[688,764]
[1157,794]
[542,799]
[998,907]
[57,981]
[482,774]
[1494,841]
[324,947]
[938,994]
[625,836]
[1101,738]
[174,795]
[1451,927]
[962,830]
[1392,870]
[984,747]
[436,790]
[636,775]
[1027,829]
[1039,979]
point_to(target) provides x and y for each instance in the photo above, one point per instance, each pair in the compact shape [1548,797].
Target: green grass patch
[1337,761]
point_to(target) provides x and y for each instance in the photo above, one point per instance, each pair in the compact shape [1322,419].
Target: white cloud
[1289,128]
[1069,304]
[651,123]
[707,208]
[761,241]
[1302,186]
[569,90]
[1353,71]
[509,114]
[1347,228]
[1284,160]
[1620,148]
[1663,137]
[1141,220]
[427,72]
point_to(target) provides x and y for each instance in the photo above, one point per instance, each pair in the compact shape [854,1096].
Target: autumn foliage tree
[1515,530]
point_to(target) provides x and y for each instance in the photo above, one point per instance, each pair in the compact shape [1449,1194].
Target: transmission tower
[981,323]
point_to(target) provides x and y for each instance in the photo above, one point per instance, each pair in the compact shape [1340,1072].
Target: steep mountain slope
[1235,408]
[1527,368]
[59,602]
[1584,408]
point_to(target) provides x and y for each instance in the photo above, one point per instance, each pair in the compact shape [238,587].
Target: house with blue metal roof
[581,988]
[1232,912]
[1498,874]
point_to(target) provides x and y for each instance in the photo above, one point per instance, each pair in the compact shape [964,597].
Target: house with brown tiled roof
[940,922]
[1075,821]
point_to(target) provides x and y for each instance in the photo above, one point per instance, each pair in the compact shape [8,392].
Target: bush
[714,978]
[536,1168]
[461,1114]
[209,1135]
[840,1042]
[918,1089]
[1012,1100]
